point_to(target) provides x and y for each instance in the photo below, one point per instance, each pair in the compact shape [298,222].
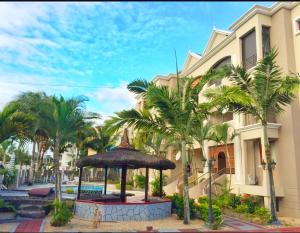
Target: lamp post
[269,166]
[210,163]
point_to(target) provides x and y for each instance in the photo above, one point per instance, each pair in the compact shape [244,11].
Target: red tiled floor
[29,226]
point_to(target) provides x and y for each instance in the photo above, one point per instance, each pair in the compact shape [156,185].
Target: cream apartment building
[246,41]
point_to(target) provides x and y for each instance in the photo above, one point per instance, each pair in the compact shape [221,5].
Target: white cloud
[113,99]
[13,84]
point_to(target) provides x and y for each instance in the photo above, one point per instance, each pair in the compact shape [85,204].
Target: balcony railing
[250,61]
[250,119]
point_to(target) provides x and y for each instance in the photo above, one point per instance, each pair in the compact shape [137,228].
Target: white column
[237,149]
[206,169]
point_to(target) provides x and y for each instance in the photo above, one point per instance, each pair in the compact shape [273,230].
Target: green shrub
[234,201]
[140,181]
[203,199]
[129,182]
[251,201]
[10,176]
[155,184]
[6,207]
[263,214]
[128,186]
[69,191]
[217,214]
[62,214]
[177,204]
[2,171]
[113,181]
[243,208]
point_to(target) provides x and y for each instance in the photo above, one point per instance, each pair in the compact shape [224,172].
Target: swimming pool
[74,188]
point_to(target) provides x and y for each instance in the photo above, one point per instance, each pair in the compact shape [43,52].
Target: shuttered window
[249,55]
[266,44]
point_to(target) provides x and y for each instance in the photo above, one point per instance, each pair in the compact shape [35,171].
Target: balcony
[218,118]
[251,120]
[254,131]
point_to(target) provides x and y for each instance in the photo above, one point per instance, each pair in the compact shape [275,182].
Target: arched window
[218,64]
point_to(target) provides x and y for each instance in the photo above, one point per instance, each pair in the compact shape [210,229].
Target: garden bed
[244,216]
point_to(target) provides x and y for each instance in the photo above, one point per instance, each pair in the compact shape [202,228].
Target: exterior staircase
[30,207]
[198,185]
[31,211]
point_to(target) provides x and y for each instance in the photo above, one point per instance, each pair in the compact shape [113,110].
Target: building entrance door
[222,162]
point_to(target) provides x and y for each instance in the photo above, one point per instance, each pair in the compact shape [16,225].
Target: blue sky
[96,48]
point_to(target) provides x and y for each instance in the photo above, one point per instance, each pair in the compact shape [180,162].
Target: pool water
[83,187]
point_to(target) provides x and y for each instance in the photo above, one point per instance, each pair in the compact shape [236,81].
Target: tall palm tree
[259,93]
[62,118]
[169,113]
[30,102]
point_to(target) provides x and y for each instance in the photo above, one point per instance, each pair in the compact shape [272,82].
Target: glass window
[266,44]
[220,63]
[298,24]
[249,55]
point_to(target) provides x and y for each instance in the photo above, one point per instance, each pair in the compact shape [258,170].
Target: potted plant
[7,211]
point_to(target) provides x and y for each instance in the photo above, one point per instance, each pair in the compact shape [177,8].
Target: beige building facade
[246,42]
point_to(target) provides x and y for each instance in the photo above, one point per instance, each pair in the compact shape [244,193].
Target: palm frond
[139,86]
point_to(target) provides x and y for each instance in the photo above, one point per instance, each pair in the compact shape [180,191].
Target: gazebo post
[123,183]
[146,184]
[105,180]
[79,184]
[160,183]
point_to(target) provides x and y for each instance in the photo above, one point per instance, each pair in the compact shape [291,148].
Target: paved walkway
[34,225]
[241,225]
[280,230]
[236,225]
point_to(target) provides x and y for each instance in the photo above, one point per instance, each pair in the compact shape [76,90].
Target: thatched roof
[124,154]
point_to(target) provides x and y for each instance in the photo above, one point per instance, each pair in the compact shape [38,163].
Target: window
[266,44]
[297,26]
[220,63]
[249,55]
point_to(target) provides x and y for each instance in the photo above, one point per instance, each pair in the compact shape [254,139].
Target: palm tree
[259,93]
[202,132]
[13,122]
[174,117]
[222,136]
[30,102]
[151,142]
[5,149]
[22,158]
[62,119]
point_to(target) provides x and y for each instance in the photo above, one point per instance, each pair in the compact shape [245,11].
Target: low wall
[124,211]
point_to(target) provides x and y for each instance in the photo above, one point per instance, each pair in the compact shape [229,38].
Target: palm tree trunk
[186,205]
[270,173]
[31,171]
[56,169]
[4,158]
[229,164]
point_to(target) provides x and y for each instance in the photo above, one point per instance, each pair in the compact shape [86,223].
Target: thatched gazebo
[125,157]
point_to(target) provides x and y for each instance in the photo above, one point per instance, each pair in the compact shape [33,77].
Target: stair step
[30,207]
[32,213]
